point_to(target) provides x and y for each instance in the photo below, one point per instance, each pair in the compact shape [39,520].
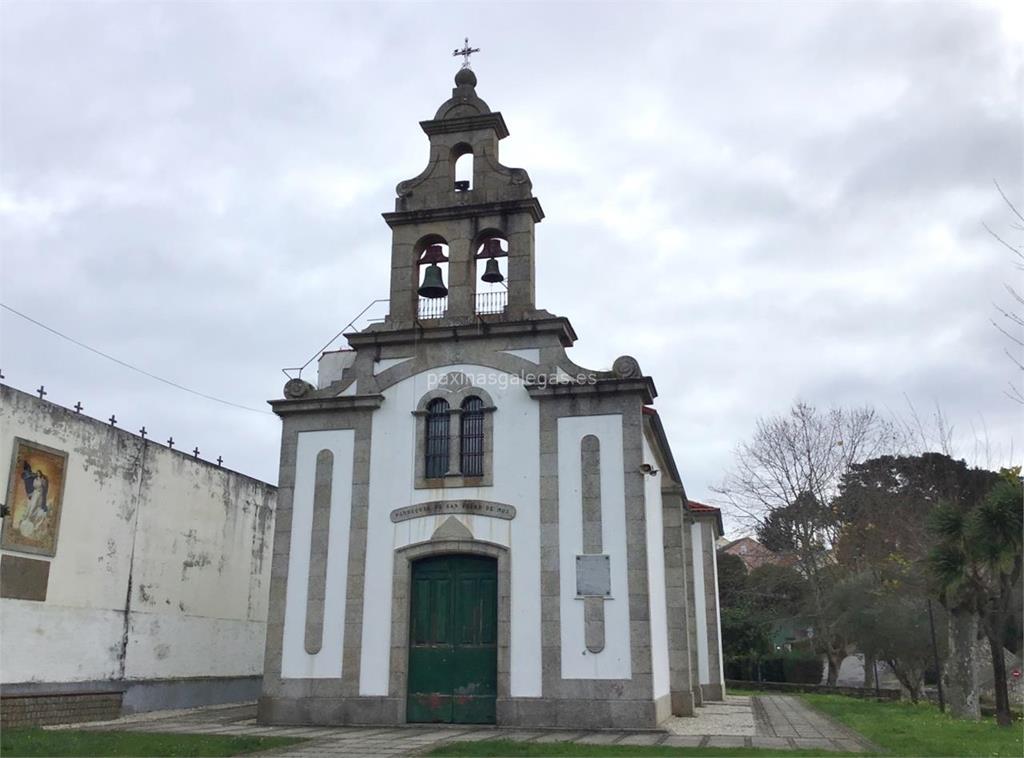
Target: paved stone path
[764,721]
[788,718]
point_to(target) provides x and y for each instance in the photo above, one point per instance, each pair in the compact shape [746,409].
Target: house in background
[751,552]
[133,577]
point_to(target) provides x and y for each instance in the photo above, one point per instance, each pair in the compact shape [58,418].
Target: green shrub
[741,667]
[802,668]
[796,667]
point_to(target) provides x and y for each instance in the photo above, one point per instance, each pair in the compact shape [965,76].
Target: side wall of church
[706,612]
[715,688]
[656,576]
[160,572]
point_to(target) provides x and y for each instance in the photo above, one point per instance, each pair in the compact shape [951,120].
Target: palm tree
[977,564]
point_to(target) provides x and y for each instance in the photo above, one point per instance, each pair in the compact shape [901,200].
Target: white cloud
[779,200]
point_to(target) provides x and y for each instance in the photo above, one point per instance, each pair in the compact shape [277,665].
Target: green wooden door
[453,635]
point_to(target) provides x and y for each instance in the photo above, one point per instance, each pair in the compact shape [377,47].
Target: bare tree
[1010,321]
[804,452]
[783,483]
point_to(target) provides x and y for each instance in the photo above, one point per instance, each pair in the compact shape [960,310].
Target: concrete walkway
[764,721]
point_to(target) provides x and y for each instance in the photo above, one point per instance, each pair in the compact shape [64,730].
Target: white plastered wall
[200,584]
[516,482]
[613,662]
[193,541]
[295,661]
[712,546]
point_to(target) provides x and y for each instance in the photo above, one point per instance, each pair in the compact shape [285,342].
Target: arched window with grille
[472,437]
[436,458]
[454,435]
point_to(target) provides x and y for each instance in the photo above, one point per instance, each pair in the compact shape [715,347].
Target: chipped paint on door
[453,660]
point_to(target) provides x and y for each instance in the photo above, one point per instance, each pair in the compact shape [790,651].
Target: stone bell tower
[440,220]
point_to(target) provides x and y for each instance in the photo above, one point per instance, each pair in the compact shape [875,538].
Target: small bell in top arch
[492,273]
[433,284]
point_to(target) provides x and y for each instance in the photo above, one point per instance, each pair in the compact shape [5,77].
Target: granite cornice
[327,404]
[708,517]
[480,328]
[460,124]
[673,489]
[643,386]
[529,205]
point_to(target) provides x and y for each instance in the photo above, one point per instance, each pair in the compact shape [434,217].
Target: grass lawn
[510,748]
[67,742]
[907,729]
[900,729]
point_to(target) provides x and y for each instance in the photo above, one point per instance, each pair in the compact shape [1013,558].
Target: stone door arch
[402,601]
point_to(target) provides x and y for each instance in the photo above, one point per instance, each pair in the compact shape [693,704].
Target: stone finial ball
[465,77]
[296,388]
[626,367]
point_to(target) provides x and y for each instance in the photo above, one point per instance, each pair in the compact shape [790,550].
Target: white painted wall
[613,662]
[194,540]
[712,548]
[332,364]
[656,576]
[295,661]
[700,602]
[392,464]
[45,642]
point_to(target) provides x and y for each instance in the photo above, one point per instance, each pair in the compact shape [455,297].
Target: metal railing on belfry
[486,303]
[491,302]
[432,307]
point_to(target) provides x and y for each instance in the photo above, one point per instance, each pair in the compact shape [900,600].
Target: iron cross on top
[465,52]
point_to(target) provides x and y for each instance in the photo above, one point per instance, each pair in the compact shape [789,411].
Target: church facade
[471,528]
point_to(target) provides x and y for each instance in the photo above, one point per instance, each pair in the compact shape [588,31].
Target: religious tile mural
[35,495]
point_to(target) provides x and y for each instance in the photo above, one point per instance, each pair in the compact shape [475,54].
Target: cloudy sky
[760,201]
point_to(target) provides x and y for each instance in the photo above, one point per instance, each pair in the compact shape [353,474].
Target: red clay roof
[701,508]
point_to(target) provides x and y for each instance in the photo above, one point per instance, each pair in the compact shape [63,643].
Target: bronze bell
[433,284]
[492,273]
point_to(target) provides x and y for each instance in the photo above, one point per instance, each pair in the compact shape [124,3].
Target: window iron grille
[472,436]
[437,439]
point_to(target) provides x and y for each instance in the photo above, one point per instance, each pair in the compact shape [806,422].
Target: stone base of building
[512,712]
[682,703]
[663,708]
[162,694]
[712,692]
[698,696]
[43,703]
[59,708]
